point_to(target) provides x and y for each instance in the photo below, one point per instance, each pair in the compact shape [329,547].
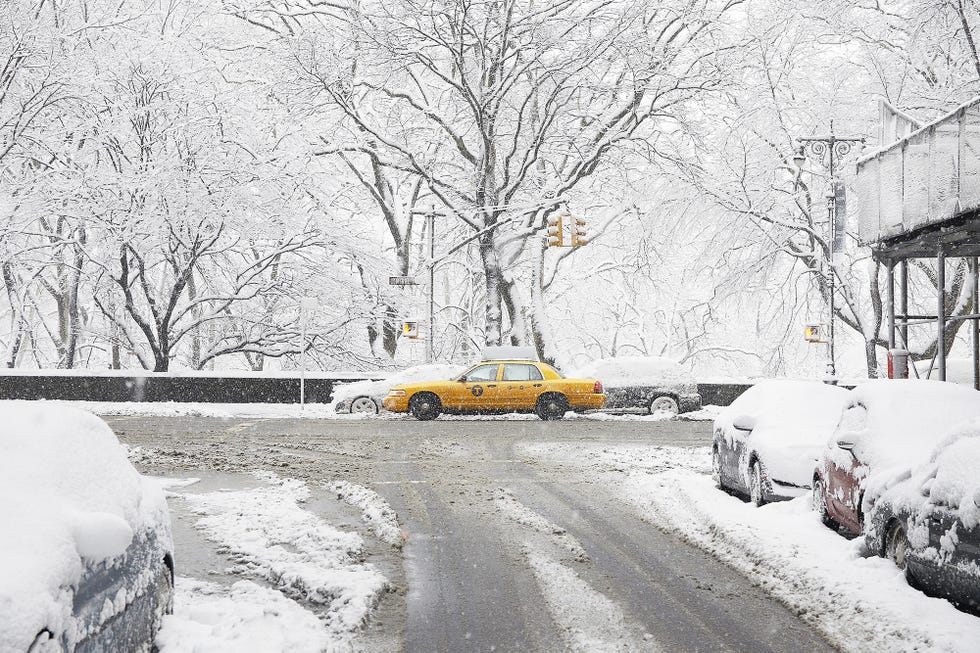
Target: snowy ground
[304,585]
[315,411]
[860,603]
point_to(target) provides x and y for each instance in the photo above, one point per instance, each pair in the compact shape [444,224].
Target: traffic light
[556,236]
[578,233]
[812,333]
[410,329]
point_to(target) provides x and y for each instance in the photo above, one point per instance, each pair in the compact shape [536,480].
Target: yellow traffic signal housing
[410,329]
[556,236]
[578,233]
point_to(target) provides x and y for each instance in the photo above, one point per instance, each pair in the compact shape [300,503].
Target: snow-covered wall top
[926,178]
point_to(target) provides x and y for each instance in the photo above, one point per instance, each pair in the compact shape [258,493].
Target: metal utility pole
[430,336]
[828,150]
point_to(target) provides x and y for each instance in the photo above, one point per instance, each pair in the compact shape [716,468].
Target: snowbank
[244,617]
[70,498]
[271,536]
[635,370]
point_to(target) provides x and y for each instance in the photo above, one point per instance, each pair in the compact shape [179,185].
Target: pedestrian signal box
[813,333]
[410,329]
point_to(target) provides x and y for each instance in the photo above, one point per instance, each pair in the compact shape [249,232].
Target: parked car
[644,385]
[766,442]
[929,523]
[887,428]
[368,396]
[86,555]
[496,387]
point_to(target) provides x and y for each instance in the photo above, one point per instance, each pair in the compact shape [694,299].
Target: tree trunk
[492,283]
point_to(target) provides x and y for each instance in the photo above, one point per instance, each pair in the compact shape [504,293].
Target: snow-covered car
[86,554]
[929,523]
[368,396]
[644,384]
[767,441]
[888,427]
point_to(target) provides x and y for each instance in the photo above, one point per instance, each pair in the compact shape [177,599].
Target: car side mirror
[744,422]
[846,445]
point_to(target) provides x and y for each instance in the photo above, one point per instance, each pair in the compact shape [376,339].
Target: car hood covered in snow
[71,499]
[791,423]
[904,422]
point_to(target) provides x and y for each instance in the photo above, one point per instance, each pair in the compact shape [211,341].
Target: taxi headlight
[396,393]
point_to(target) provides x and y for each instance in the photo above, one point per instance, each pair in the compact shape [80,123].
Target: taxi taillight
[598,388]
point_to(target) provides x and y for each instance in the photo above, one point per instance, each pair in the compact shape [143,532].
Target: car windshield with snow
[766,442]
[86,555]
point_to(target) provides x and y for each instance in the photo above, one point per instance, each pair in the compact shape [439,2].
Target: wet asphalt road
[466,584]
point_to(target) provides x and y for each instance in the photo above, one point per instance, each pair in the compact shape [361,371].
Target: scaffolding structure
[919,198]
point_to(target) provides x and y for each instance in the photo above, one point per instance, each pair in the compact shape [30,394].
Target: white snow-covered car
[368,396]
[644,384]
[768,440]
[929,523]
[86,554]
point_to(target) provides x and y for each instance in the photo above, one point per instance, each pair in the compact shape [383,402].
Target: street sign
[402,281]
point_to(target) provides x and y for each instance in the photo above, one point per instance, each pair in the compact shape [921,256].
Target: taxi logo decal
[477,390]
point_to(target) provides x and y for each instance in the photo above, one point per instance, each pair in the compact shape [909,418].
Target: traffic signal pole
[430,336]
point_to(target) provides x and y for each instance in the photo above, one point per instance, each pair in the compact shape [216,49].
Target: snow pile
[791,422]
[635,370]
[375,511]
[243,617]
[903,422]
[269,535]
[70,498]
[860,604]
[378,389]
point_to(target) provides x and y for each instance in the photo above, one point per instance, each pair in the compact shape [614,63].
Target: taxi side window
[482,373]
[522,373]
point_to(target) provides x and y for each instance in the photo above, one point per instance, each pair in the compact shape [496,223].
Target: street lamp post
[828,150]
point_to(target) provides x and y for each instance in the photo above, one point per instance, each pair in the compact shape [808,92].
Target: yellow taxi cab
[498,386]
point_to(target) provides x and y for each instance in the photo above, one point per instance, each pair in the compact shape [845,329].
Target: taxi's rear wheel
[425,406]
[551,406]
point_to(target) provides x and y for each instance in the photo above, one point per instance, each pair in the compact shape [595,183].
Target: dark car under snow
[644,384]
[929,524]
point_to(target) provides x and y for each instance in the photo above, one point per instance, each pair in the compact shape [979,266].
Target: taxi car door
[478,390]
[520,385]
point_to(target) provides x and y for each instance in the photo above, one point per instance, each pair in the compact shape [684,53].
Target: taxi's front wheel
[425,406]
[551,406]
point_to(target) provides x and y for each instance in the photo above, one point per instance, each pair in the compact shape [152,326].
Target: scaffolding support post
[941,311]
[890,268]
